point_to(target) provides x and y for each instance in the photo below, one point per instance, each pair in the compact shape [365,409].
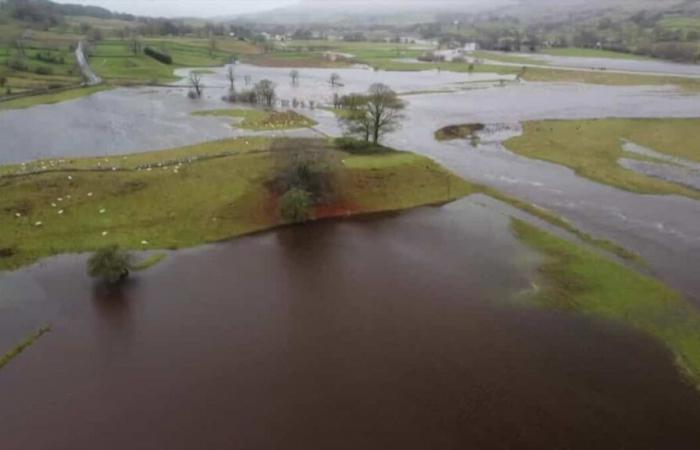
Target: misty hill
[396,12]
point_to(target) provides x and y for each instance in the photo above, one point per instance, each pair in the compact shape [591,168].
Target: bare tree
[196,84]
[373,115]
[248,79]
[212,46]
[231,76]
[335,79]
[294,75]
[135,45]
[265,90]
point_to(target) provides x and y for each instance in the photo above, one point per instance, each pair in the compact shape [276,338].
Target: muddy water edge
[395,331]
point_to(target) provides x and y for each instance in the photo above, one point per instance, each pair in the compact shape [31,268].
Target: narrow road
[90,77]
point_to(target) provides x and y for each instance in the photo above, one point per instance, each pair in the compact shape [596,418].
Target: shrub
[43,70]
[158,55]
[246,96]
[17,64]
[357,146]
[295,205]
[110,264]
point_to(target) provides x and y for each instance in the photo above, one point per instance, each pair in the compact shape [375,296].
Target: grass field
[50,98]
[506,57]
[191,195]
[592,148]
[114,61]
[591,53]
[257,120]
[576,279]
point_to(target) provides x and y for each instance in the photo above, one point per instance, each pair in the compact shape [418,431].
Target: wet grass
[189,196]
[591,53]
[22,346]
[259,120]
[592,148]
[51,98]
[578,280]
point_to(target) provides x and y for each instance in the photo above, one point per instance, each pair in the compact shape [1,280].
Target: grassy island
[258,120]
[193,195]
[592,149]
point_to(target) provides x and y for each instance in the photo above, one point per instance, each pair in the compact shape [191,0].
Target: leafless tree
[196,84]
[135,46]
[335,79]
[265,90]
[373,115]
[294,75]
[231,76]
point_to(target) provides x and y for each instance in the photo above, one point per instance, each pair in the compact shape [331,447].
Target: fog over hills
[306,11]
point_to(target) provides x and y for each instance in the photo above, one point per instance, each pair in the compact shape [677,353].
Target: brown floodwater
[393,332]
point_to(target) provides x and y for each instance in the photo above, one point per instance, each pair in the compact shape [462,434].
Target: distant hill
[365,12]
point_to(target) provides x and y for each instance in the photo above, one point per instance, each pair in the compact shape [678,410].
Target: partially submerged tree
[374,114]
[231,77]
[110,264]
[294,75]
[196,86]
[265,91]
[334,79]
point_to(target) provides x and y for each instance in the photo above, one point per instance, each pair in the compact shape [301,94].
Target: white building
[471,47]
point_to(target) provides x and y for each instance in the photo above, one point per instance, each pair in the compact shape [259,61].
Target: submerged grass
[257,120]
[149,262]
[189,196]
[462,131]
[547,75]
[559,222]
[577,279]
[19,348]
[592,148]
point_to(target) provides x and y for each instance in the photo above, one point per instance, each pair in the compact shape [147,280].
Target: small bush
[158,55]
[110,264]
[17,64]
[295,205]
[357,146]
[43,70]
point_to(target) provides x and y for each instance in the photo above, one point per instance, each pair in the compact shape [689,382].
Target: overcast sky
[214,8]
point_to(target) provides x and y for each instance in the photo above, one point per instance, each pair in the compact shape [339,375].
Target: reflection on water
[385,332]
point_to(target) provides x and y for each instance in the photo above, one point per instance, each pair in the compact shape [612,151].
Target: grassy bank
[540,74]
[22,346]
[591,53]
[257,120]
[576,279]
[51,98]
[191,195]
[592,148]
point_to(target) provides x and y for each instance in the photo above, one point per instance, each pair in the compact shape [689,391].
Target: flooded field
[649,66]
[404,331]
[388,332]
